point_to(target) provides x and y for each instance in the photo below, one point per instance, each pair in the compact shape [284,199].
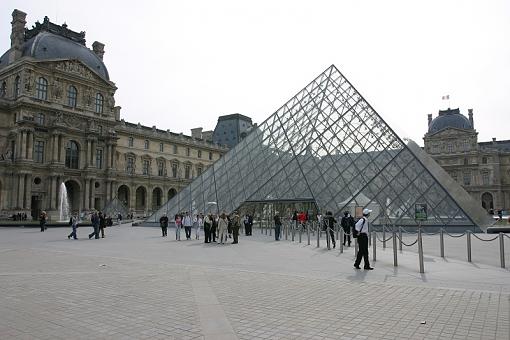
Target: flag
[446,97]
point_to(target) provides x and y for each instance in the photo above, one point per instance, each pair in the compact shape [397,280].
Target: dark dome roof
[49,46]
[451,118]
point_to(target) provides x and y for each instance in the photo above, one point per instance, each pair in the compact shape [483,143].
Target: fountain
[63,204]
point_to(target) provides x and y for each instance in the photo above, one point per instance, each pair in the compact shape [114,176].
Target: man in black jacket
[330,221]
[163,222]
[347,225]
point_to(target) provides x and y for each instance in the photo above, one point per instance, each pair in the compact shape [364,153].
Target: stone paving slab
[136,285]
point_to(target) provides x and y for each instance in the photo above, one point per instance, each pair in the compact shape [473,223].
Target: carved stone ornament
[57,89]
[76,68]
[28,80]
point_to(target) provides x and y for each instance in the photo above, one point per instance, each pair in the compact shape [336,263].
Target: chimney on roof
[494,139]
[429,116]
[470,114]
[196,133]
[98,49]
[17,34]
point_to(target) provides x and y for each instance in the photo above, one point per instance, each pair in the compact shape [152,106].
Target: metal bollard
[341,241]
[300,232]
[308,233]
[318,237]
[369,238]
[355,247]
[374,244]
[420,251]
[502,250]
[328,239]
[395,263]
[293,233]
[383,237]
[337,232]
[441,242]
[400,239]
[270,228]
[468,239]
[286,231]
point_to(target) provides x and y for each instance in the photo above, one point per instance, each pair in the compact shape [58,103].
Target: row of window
[130,168]
[41,92]
[72,157]
[146,146]
[466,177]
[450,147]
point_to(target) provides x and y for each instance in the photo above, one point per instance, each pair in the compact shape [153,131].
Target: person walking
[94,219]
[347,224]
[207,228]
[199,223]
[362,227]
[330,222]
[187,223]
[222,227]
[214,227]
[102,223]
[42,220]
[163,223]
[277,226]
[235,221]
[74,225]
[178,226]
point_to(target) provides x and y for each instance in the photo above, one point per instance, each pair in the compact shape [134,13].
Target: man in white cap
[362,228]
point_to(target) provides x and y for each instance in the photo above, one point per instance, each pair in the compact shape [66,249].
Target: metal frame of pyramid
[114,207]
[328,145]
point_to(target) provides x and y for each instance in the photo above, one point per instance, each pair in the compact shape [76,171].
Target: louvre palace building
[481,168]
[59,124]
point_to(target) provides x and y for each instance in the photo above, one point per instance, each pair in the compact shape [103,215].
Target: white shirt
[187,221]
[359,225]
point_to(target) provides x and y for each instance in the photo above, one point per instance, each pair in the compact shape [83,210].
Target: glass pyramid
[329,146]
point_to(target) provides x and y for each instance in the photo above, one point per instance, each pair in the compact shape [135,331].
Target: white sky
[181,64]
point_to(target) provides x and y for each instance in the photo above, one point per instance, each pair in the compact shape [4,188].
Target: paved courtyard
[134,284]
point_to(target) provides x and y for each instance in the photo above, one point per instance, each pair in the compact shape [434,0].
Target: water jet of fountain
[63,204]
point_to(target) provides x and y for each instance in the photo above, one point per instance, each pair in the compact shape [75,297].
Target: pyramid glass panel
[326,146]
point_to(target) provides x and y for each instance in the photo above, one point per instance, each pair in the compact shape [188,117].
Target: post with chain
[300,232]
[374,246]
[369,238]
[356,246]
[420,250]
[270,225]
[468,244]
[318,236]
[400,239]
[337,227]
[502,250]
[395,263]
[293,232]
[383,237]
[308,232]
[287,230]
[441,242]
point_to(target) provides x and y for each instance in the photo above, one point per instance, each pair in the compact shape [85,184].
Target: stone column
[108,190]
[86,198]
[19,145]
[92,146]
[21,191]
[30,150]
[14,191]
[107,156]
[28,192]
[57,192]
[132,197]
[114,150]
[54,152]
[148,200]
[23,144]
[92,194]
[60,150]
[87,155]
[51,194]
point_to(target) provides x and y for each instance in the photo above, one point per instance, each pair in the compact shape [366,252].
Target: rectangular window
[145,167]
[99,158]
[188,152]
[175,149]
[146,144]
[187,172]
[199,171]
[210,156]
[160,147]
[130,167]
[130,141]
[485,178]
[39,152]
[39,118]
[161,168]
[199,153]
[174,170]
[466,178]
[100,129]
[41,89]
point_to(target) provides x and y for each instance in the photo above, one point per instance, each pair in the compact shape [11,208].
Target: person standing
[214,227]
[102,223]
[42,220]
[330,226]
[347,224]
[187,223]
[362,226]
[163,223]
[94,219]
[74,225]
[277,226]
[246,222]
[222,227]
[178,225]
[207,228]
[235,220]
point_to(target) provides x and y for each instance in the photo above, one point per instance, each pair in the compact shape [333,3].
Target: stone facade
[481,168]
[59,124]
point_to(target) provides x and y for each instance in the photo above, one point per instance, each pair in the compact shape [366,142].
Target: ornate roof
[450,118]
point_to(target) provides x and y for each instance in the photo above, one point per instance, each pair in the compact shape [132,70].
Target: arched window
[72,94]
[17,87]
[41,89]
[72,155]
[99,103]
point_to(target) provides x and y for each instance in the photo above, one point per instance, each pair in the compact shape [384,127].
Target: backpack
[355,233]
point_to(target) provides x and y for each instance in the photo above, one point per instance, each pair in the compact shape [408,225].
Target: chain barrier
[452,235]
[481,239]
[384,240]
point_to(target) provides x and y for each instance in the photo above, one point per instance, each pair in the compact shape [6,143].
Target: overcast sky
[181,64]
